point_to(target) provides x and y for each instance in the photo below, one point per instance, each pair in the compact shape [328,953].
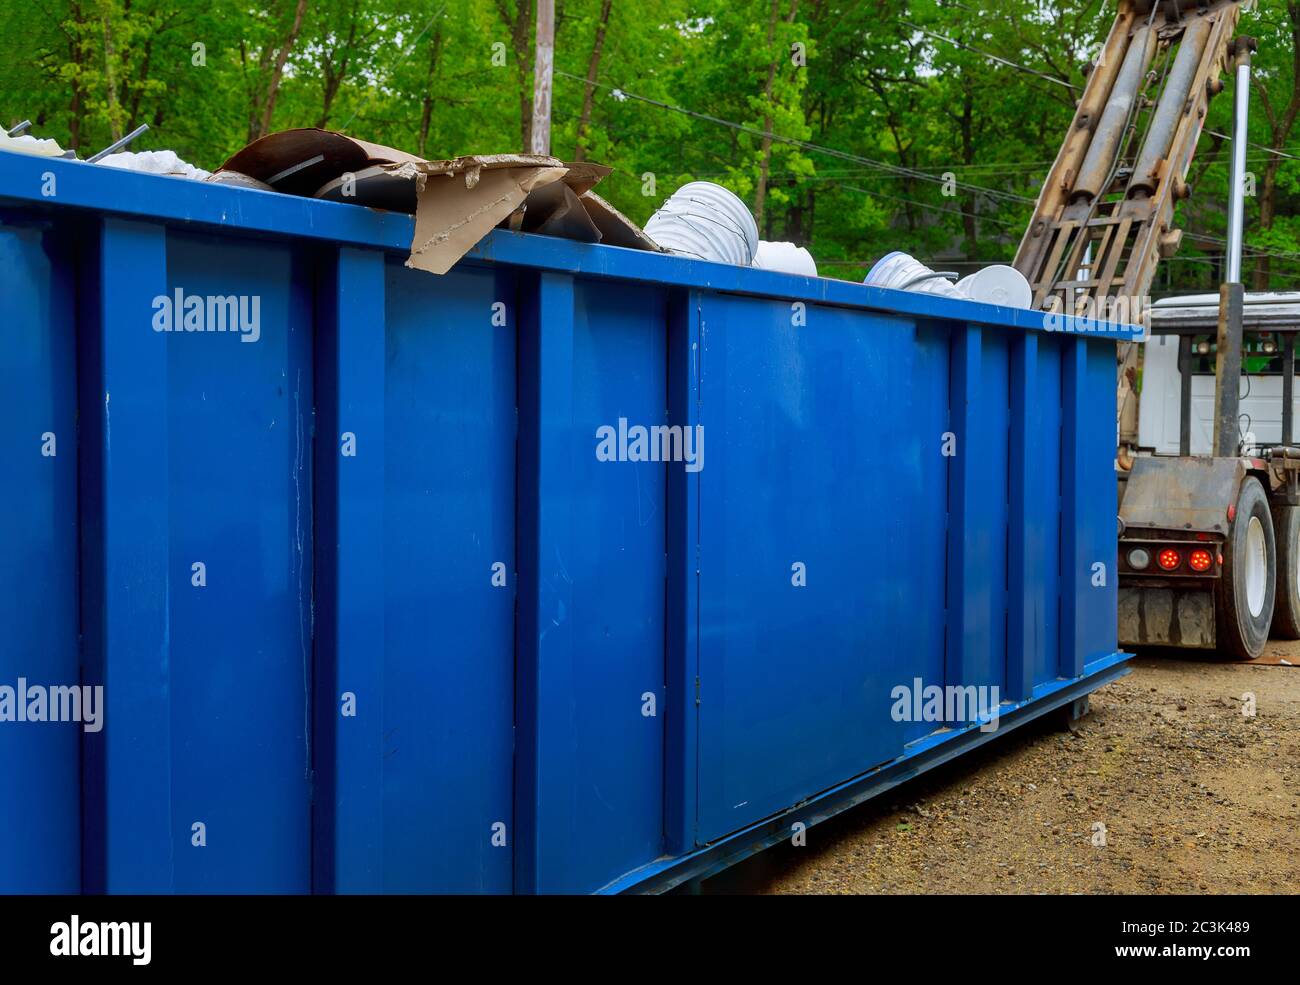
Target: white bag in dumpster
[708,222]
[785,257]
[154,162]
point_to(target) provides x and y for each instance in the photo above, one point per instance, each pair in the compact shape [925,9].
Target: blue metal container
[373,611]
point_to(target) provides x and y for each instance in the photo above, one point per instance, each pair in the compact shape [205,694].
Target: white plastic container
[998,284]
[785,257]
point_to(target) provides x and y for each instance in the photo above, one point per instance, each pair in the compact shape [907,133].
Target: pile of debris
[457,202]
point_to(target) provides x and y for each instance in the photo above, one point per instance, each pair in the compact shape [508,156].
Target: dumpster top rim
[177,201]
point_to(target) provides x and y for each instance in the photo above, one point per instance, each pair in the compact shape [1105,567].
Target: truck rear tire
[1247,585]
[1286,608]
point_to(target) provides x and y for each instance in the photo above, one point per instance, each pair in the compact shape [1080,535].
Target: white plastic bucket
[998,284]
[708,222]
[785,257]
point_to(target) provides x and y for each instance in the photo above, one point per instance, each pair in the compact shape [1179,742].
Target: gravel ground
[1195,796]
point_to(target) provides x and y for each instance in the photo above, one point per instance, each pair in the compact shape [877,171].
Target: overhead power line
[1070,85]
[996,58]
[877,165]
[804,144]
[931,206]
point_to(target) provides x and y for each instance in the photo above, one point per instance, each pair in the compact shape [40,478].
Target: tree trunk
[1267,213]
[273,85]
[332,83]
[334,79]
[794,217]
[969,221]
[589,88]
[520,32]
[76,107]
[765,156]
[137,83]
[110,80]
[426,111]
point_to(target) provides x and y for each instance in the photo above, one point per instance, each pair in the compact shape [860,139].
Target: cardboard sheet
[456,209]
[616,229]
[461,200]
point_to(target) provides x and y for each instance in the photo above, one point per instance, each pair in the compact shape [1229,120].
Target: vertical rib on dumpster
[1042,518]
[1025,600]
[683,603]
[350,641]
[40,812]
[545,641]
[924,469]
[977,532]
[1074,507]
[592,580]
[128,765]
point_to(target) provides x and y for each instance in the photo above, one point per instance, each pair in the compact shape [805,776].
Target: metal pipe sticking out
[1240,137]
[20,128]
[119,144]
[1173,103]
[1106,139]
[1227,368]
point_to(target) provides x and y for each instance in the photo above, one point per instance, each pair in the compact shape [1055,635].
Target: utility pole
[1227,370]
[543,67]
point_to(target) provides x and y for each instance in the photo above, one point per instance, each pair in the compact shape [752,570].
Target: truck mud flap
[1166,617]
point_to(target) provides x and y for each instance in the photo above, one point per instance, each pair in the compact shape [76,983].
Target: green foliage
[895,125]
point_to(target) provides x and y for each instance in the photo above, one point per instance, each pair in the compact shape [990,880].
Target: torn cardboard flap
[461,200]
[457,209]
[615,228]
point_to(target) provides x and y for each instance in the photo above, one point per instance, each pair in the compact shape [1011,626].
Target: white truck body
[1261,394]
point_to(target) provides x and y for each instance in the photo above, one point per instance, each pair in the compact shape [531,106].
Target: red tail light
[1170,559]
[1200,560]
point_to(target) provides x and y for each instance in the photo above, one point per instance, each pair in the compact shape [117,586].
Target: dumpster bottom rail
[920,757]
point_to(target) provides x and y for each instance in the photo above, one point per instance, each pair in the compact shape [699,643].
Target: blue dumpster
[576,569]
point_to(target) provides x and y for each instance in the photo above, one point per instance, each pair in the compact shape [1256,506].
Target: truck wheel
[1286,609]
[1246,588]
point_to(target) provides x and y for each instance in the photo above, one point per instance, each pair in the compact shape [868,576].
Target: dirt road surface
[1195,796]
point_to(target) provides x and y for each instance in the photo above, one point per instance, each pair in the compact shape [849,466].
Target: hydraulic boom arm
[1104,218]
